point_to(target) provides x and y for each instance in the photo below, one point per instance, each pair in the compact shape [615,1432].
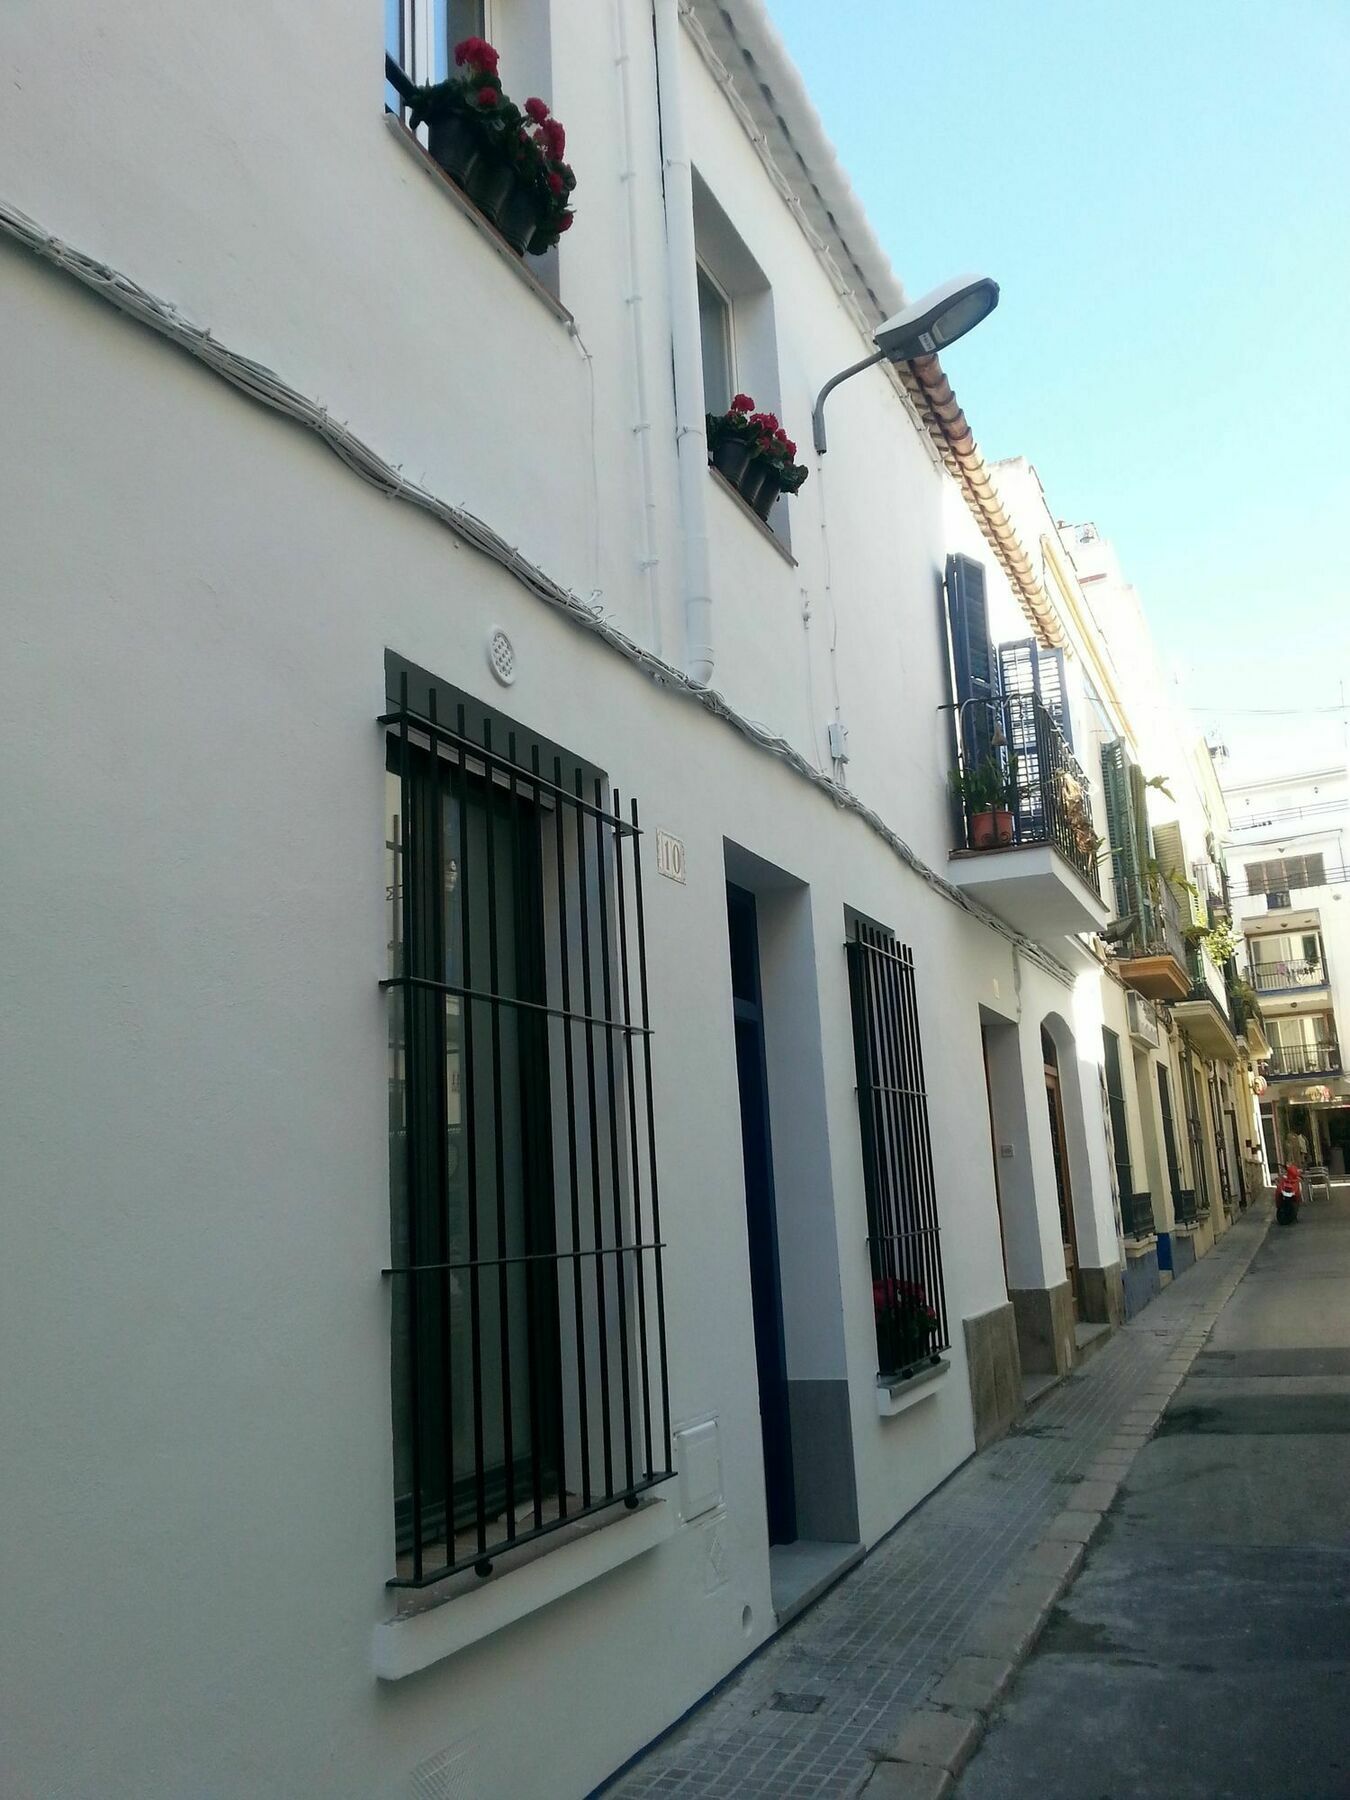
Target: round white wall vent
[502,657]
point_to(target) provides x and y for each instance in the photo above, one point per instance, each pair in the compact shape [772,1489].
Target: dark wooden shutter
[973,668]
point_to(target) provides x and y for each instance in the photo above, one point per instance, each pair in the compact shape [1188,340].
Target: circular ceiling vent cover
[502,657]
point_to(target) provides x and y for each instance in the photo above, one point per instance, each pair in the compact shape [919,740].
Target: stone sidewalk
[883,1685]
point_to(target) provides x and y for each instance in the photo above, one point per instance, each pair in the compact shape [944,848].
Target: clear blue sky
[1162,190]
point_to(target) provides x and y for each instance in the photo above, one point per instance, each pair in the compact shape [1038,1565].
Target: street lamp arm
[818,410]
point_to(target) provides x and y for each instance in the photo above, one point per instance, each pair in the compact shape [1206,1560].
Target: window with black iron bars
[909,1302]
[528,1308]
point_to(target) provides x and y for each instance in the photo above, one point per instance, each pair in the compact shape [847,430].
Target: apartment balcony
[1152,960]
[1186,1208]
[1303,1062]
[1206,1014]
[1289,978]
[1025,843]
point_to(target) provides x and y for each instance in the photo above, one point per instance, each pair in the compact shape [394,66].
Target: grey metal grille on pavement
[874,1646]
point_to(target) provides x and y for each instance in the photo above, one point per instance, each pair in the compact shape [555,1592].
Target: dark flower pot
[457,145]
[902,1341]
[492,185]
[518,219]
[751,484]
[731,457]
[541,241]
[769,491]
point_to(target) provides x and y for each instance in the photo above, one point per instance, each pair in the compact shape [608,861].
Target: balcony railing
[1322,1058]
[1288,977]
[1165,936]
[1185,1206]
[1014,762]
[1136,1215]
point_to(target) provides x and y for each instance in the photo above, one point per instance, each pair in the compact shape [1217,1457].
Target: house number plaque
[669,856]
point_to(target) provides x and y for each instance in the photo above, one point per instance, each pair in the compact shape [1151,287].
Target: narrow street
[1204,1649]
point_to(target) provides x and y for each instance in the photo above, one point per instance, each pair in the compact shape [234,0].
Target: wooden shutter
[1171,855]
[973,668]
[1026,667]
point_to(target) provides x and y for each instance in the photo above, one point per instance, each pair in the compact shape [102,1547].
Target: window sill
[412,1641]
[897,1396]
[748,512]
[1141,1246]
[468,211]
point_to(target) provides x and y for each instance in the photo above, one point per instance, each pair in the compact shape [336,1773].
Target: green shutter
[1126,871]
[1172,861]
[1143,851]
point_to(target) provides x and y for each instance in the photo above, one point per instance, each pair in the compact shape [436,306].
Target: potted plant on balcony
[975,793]
[508,162]
[1003,790]
[906,1324]
[754,453]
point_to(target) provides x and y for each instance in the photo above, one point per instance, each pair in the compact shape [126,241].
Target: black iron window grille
[1195,1139]
[909,1302]
[1136,1212]
[528,1308]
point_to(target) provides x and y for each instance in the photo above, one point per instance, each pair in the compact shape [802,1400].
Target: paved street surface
[811,1715]
[1204,1649]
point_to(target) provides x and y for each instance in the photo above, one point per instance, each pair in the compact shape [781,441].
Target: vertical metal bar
[440,900]
[551,1274]
[468,1113]
[648,1465]
[410,1161]
[569,1072]
[525,1026]
[498,1136]
[651,1130]
[612,1109]
[597,1261]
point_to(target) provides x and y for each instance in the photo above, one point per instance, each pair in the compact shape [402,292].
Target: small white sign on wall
[669,856]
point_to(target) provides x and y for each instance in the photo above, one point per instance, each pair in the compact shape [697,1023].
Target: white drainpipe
[686,346]
[642,429]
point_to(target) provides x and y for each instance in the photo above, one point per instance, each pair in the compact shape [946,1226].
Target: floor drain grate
[797,1703]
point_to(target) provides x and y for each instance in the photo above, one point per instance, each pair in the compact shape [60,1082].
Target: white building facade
[480,1256]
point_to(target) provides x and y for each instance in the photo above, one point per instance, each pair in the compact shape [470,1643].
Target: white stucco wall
[199,598]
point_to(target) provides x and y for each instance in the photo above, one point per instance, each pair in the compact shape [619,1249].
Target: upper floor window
[528,1354]
[1284,873]
[719,350]
[498,143]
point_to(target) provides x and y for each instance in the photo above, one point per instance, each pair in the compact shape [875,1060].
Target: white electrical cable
[268,389]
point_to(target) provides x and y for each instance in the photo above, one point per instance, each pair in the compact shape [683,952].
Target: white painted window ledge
[413,1641]
[1140,1246]
[898,1396]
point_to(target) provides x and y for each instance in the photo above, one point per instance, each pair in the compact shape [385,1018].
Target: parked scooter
[1288,1196]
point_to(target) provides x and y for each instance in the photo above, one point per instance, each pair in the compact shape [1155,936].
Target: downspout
[642,429]
[691,443]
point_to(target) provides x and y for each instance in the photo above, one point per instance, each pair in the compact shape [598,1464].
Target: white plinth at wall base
[402,1646]
[898,1396]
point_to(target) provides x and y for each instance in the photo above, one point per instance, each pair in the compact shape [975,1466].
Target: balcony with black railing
[1152,959]
[1291,977]
[1208,1015]
[1292,1061]
[1022,818]
[1185,1206]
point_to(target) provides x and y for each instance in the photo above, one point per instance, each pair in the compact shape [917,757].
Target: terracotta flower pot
[1003,826]
[982,834]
